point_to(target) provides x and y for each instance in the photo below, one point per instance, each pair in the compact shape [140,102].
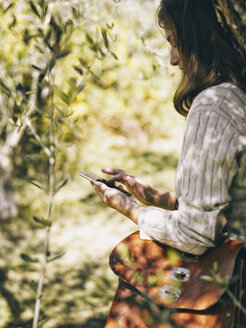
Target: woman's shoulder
[217,95]
[226,100]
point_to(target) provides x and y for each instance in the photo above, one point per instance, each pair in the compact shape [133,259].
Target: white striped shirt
[210,177]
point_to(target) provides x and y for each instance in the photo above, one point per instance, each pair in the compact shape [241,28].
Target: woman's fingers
[112,171]
[112,197]
[118,177]
[117,174]
[102,188]
[134,184]
[99,185]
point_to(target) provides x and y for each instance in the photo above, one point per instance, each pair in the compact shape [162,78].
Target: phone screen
[90,176]
[94,177]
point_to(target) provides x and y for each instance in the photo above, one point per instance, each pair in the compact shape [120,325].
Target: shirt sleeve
[204,175]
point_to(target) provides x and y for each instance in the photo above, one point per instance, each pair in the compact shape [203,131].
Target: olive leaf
[64,182]
[43,222]
[56,257]
[27,258]
[34,8]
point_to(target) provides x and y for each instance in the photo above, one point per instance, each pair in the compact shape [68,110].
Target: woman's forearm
[133,212]
[165,200]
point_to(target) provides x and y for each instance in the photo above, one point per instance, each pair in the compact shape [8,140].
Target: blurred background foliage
[104,68]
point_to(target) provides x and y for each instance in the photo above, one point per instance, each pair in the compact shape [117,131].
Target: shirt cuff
[143,236]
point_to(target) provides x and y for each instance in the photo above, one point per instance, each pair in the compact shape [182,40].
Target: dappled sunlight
[86,85]
[145,267]
[112,108]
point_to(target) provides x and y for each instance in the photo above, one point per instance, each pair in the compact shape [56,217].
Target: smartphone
[90,176]
[94,177]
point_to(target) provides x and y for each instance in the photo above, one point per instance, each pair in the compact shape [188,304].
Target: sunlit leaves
[47,38]
[63,54]
[4,88]
[80,87]
[72,82]
[91,42]
[114,55]
[29,259]
[37,68]
[34,8]
[75,87]
[110,26]
[84,62]
[26,36]
[76,13]
[64,97]
[155,279]
[61,76]
[215,276]
[57,31]
[43,222]
[125,255]
[139,276]
[42,322]
[101,46]
[105,38]
[173,256]
[207,278]
[64,182]
[78,69]
[15,121]
[56,257]
[13,22]
[33,285]
[69,26]
[4,10]
[11,121]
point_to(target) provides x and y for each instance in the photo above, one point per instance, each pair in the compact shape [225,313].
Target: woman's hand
[118,201]
[141,191]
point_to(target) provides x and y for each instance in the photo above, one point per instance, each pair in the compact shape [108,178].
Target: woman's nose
[174,60]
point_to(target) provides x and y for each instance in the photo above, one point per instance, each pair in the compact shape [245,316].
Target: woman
[210,186]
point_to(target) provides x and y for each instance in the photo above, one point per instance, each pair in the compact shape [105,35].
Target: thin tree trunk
[7,202]
[8,207]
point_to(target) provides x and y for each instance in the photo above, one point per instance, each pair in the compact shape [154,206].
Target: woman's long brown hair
[209,51]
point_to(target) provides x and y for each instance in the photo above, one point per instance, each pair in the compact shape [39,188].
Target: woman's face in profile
[175,59]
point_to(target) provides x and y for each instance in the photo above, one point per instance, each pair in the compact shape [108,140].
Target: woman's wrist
[132,211]
[166,200]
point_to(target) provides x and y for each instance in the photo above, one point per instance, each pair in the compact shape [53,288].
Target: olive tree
[35,102]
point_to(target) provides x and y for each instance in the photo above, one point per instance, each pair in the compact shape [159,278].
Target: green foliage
[226,283]
[102,67]
[73,81]
[43,222]
[27,258]
[56,257]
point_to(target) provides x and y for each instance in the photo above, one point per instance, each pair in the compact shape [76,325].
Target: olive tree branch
[236,301]
[51,156]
